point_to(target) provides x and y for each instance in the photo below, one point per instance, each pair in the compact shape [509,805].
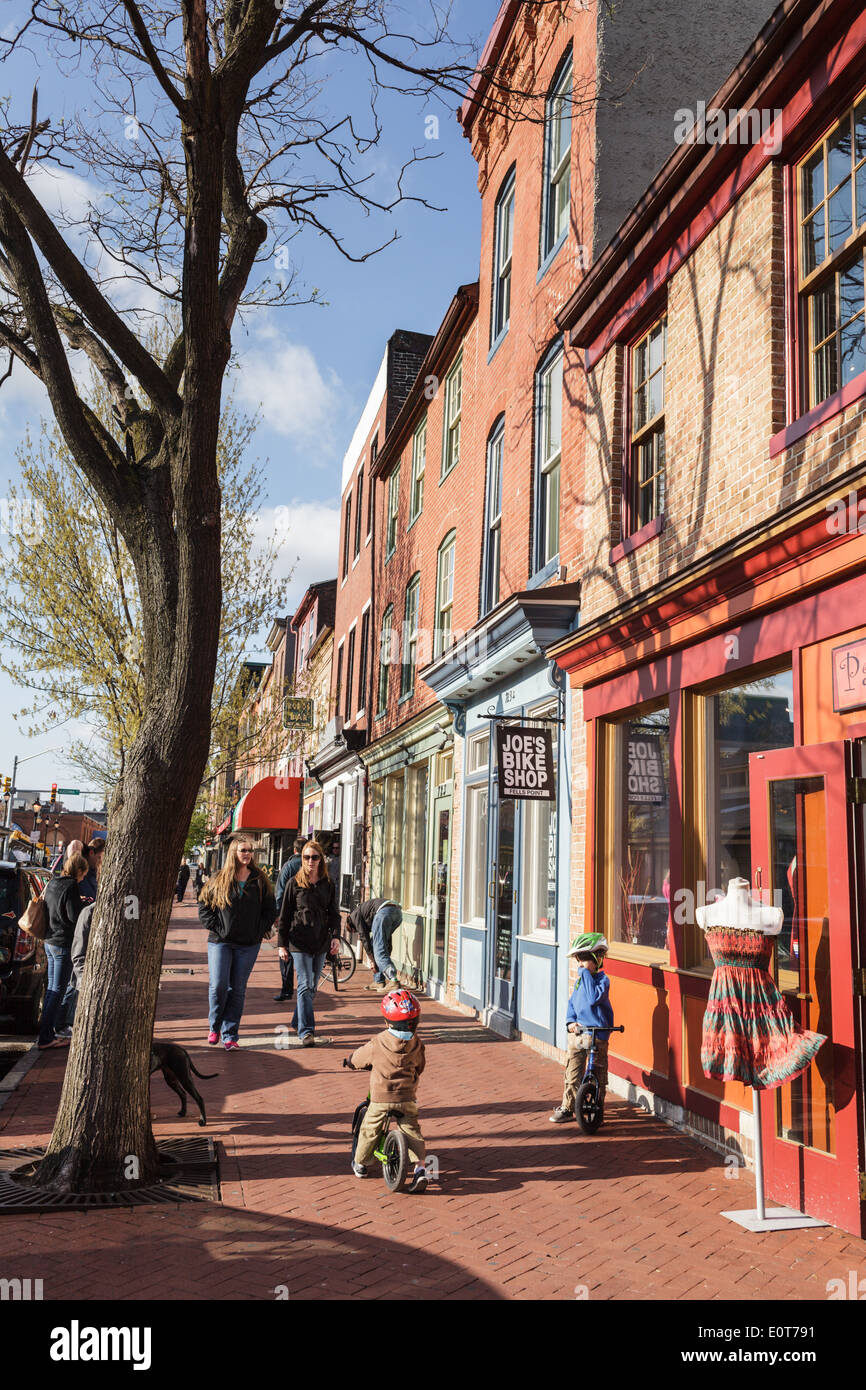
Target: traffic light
[53,793]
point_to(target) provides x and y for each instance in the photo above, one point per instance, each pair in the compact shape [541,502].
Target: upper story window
[347,534]
[451,421]
[371,491]
[350,675]
[503,239]
[548,396]
[359,496]
[385,658]
[363,658]
[493,519]
[445,594]
[556,184]
[410,636]
[393,508]
[832,222]
[419,463]
[338,687]
[644,495]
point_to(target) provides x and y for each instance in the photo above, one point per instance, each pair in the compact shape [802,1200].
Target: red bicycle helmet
[399,1005]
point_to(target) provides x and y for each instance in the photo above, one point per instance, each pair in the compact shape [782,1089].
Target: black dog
[176,1065]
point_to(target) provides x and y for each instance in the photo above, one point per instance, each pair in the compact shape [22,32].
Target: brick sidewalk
[524,1209]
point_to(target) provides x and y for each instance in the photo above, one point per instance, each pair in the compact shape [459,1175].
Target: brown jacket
[397,1064]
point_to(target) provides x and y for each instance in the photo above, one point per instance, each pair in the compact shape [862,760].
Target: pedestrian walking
[93,853]
[63,902]
[309,925]
[237,906]
[287,966]
[376,921]
[198,881]
[69,1007]
[182,880]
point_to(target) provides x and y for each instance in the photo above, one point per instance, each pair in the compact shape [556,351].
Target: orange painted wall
[820,723]
[645,1012]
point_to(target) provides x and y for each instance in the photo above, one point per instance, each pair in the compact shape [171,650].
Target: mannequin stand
[777,1218]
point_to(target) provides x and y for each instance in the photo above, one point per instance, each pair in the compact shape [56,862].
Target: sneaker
[282,998]
[359,1169]
[232,1046]
[64,1033]
[308,1040]
[383,989]
[374,985]
[213,1039]
[560,1116]
[419,1181]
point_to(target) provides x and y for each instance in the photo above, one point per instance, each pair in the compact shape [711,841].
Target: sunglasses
[312,856]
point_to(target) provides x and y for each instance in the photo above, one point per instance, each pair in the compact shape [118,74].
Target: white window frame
[493,519]
[409,646]
[393,512]
[549,472]
[556,185]
[503,247]
[451,417]
[419,465]
[448,548]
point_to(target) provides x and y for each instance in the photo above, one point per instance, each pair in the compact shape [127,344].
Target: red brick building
[719,707]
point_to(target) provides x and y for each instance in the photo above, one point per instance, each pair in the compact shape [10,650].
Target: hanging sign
[525,763]
[849,676]
[297,714]
[646,774]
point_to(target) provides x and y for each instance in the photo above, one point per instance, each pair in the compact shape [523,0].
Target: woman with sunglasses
[309,922]
[237,906]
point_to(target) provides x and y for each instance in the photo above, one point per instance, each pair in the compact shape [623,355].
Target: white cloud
[284,382]
[310,534]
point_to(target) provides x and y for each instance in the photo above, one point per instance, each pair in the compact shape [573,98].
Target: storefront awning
[226,824]
[272,804]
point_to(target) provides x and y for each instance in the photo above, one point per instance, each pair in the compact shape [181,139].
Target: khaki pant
[576,1066]
[371,1129]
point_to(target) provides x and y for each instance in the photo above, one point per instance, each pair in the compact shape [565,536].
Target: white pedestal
[774,1219]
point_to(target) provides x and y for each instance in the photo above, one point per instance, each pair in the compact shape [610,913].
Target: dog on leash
[177,1067]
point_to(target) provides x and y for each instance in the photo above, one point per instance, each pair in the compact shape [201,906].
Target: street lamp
[36,808]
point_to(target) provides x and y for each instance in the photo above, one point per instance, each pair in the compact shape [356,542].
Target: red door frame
[822,1185]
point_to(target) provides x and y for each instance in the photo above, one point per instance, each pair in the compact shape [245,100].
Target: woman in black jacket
[237,906]
[309,922]
[63,902]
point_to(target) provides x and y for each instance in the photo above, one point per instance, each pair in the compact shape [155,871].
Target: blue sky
[308,368]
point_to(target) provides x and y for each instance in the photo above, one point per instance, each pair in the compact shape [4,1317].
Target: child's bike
[392,1151]
[589,1103]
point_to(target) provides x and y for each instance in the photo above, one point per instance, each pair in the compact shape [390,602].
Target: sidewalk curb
[17,1073]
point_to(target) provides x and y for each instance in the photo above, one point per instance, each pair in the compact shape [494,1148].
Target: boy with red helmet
[396,1060]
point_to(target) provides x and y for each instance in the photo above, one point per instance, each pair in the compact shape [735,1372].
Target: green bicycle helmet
[589,943]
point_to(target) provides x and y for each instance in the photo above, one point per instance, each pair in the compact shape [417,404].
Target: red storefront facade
[719,702]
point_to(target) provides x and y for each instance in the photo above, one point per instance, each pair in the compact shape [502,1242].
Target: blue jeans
[385,923]
[59,962]
[308,970]
[229,967]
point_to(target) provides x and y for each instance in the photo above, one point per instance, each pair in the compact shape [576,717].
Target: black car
[23,971]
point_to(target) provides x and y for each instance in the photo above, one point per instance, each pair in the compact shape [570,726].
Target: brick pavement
[523,1209]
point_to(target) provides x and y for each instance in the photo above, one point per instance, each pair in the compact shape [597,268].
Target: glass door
[802,841]
[502,907]
[437,896]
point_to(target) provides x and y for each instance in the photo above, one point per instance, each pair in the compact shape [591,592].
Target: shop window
[634,802]
[416,834]
[503,239]
[644,490]
[831,191]
[451,422]
[493,520]
[539,860]
[557,161]
[394,811]
[475,866]
[419,463]
[393,509]
[478,753]
[548,393]
[445,594]
[727,725]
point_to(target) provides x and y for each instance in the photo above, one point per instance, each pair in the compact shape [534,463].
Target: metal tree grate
[192,1175]
[461,1035]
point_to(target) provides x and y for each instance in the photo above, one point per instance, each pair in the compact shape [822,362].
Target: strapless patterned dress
[749,1034]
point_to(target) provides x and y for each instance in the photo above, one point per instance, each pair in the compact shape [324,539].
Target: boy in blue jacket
[588,1007]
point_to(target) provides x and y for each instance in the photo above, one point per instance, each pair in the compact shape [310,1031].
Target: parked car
[23,971]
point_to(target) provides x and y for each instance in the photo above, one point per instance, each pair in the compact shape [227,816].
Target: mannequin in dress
[739,909]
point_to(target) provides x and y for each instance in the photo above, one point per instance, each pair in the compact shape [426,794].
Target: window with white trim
[385,657]
[556,186]
[410,636]
[493,520]
[503,243]
[549,452]
[445,594]
[419,463]
[451,423]
[393,509]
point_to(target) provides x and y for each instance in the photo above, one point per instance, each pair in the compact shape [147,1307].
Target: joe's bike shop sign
[525,757]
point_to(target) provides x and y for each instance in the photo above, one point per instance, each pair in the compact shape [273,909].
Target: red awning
[272,804]
[225,825]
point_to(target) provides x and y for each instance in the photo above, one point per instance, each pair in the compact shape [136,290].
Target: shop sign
[646,773]
[297,714]
[525,763]
[849,676]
